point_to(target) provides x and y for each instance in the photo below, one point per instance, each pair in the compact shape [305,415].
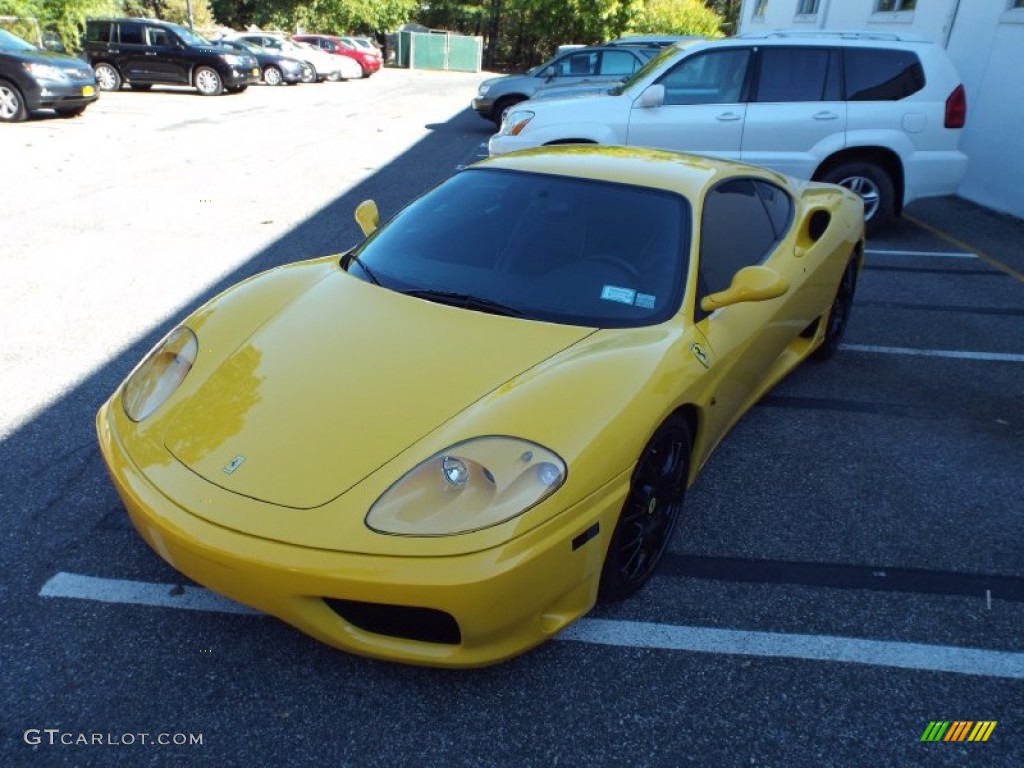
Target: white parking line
[632,634]
[187,598]
[1002,357]
[940,254]
[932,658]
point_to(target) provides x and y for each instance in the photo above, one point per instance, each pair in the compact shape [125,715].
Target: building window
[807,7]
[762,5]
[891,6]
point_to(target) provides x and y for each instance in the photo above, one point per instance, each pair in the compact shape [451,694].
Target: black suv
[32,79]
[144,52]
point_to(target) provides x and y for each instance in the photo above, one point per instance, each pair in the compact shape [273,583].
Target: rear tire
[872,183]
[12,105]
[839,315]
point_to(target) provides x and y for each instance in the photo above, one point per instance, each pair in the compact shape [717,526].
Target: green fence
[439,50]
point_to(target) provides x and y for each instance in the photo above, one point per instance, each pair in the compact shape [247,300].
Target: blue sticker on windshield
[644,301]
[621,295]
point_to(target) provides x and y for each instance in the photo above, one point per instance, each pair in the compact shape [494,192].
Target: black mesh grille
[423,624]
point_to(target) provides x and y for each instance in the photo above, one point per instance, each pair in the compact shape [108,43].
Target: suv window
[882,74]
[157,36]
[764,209]
[798,74]
[618,63]
[715,77]
[576,64]
[131,33]
[98,32]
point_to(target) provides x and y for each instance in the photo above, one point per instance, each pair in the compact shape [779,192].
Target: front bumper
[49,94]
[239,75]
[502,601]
[499,144]
[483,107]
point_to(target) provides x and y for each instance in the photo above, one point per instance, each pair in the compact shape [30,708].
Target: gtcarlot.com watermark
[55,737]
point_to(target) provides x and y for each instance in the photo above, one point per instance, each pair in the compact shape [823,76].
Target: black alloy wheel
[652,508]
[839,314]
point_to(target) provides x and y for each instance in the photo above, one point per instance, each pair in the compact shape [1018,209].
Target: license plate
[256,72]
[88,90]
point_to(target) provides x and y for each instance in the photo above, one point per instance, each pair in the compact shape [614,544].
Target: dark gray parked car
[31,79]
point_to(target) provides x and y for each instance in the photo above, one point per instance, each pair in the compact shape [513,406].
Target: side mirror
[547,73]
[654,96]
[749,284]
[367,216]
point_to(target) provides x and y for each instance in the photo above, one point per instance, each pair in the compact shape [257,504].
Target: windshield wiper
[349,257]
[466,301]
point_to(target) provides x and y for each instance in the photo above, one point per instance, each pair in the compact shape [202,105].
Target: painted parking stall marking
[958,354]
[186,598]
[937,254]
[627,634]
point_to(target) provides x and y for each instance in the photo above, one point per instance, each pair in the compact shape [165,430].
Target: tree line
[516,33]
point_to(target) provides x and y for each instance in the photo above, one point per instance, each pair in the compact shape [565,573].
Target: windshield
[189,37]
[9,42]
[554,248]
[666,53]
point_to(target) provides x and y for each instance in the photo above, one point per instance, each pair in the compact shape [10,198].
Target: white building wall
[985,39]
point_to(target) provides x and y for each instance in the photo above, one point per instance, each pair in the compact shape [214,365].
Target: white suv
[877,113]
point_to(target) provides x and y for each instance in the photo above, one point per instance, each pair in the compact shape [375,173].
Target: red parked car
[331,44]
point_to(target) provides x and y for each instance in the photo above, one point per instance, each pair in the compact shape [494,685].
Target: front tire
[308,74]
[107,77]
[498,111]
[208,82]
[648,518]
[272,76]
[872,183]
[839,314]
[12,105]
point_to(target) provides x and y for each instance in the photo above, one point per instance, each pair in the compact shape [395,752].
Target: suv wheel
[873,185]
[12,106]
[208,82]
[498,111]
[108,78]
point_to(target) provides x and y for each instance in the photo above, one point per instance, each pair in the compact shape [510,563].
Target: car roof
[688,175]
[833,35]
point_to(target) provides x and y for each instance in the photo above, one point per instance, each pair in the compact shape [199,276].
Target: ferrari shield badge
[700,354]
[234,464]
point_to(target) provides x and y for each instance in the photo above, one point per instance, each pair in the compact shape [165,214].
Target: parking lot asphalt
[849,568]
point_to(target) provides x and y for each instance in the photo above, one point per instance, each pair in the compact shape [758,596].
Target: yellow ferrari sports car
[446,444]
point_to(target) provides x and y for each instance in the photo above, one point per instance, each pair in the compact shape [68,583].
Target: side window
[798,74]
[715,77]
[98,32]
[878,74]
[736,232]
[157,36]
[778,205]
[131,34]
[618,63]
[577,64]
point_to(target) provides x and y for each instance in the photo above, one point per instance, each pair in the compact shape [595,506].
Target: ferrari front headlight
[159,374]
[472,485]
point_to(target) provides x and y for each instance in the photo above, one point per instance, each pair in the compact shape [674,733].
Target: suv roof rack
[652,41]
[844,34]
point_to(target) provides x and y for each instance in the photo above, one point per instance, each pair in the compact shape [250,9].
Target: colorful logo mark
[959,730]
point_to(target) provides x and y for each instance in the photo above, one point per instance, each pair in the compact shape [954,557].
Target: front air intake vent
[425,625]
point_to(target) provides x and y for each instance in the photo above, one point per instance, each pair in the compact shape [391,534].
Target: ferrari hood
[340,381]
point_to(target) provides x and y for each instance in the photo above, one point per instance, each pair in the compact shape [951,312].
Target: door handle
[729,117]
[826,116]
[151,53]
